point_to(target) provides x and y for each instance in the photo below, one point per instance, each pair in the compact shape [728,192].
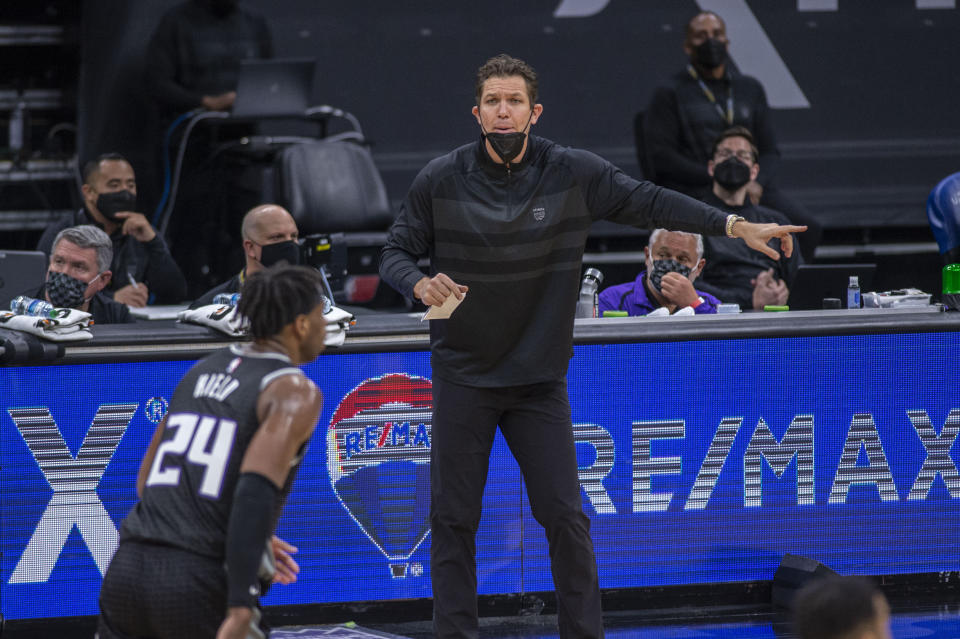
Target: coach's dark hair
[274,297]
[834,607]
[504,66]
[93,166]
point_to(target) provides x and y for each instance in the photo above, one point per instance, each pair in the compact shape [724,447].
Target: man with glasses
[734,273]
[79,270]
[685,117]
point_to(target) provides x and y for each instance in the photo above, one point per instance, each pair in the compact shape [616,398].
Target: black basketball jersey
[211,420]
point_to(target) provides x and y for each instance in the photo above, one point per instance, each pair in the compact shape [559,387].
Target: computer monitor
[813,282]
[21,273]
[274,87]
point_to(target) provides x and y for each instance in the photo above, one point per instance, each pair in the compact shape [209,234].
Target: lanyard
[728,116]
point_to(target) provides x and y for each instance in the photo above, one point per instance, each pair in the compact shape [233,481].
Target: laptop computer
[274,88]
[21,273]
[813,282]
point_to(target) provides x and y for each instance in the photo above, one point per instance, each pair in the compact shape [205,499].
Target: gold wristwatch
[731,220]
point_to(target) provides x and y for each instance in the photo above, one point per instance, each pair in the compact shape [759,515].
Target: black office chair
[332,186]
[643,155]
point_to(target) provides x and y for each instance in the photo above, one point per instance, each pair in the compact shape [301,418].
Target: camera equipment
[328,254]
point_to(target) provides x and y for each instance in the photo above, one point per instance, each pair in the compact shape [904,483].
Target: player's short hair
[274,297]
[504,66]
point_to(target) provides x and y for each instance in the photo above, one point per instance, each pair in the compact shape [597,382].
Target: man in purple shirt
[674,259]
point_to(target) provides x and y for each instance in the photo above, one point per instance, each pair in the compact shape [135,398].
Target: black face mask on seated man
[287,252]
[109,204]
[731,174]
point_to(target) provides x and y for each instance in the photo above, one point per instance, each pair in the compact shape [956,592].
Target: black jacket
[230,286]
[102,309]
[516,238]
[681,124]
[731,264]
[148,262]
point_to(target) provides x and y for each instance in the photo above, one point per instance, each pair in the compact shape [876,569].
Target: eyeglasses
[742,155]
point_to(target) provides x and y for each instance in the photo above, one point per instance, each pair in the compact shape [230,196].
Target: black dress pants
[535,421]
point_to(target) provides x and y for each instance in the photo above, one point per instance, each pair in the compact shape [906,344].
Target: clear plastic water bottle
[587,304]
[227,299]
[853,292]
[23,305]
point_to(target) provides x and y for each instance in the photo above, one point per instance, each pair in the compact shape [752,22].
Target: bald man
[269,237]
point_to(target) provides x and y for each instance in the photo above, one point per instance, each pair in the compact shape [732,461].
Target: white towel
[226,320]
[662,311]
[69,325]
[222,317]
[338,322]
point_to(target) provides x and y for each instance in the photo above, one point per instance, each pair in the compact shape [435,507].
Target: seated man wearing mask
[735,273]
[79,270]
[685,117]
[269,237]
[141,265]
[674,259]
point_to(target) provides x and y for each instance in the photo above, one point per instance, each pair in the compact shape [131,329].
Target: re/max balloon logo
[378,458]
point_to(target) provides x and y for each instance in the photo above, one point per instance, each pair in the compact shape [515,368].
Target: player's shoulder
[290,383]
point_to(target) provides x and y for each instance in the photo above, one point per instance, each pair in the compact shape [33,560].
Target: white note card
[445,310]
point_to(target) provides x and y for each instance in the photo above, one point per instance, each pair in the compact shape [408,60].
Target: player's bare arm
[288,409]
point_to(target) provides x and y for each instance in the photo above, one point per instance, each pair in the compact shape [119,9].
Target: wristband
[248,532]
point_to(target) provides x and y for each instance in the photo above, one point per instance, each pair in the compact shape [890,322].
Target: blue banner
[700,462]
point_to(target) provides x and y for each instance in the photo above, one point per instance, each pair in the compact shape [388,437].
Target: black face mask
[65,291]
[117,202]
[507,145]
[287,252]
[731,174]
[710,53]
[662,267]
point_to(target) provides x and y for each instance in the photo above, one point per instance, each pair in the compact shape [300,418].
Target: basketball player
[195,553]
